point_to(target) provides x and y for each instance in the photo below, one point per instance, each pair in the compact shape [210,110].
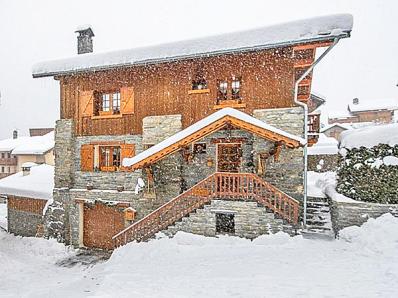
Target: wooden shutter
[86,103]
[127,100]
[87,157]
[127,150]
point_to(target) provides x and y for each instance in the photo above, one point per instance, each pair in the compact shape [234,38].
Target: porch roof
[208,125]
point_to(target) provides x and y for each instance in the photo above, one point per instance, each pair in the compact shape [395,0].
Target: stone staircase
[319,222]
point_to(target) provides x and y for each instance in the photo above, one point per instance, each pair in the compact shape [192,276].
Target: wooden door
[101,222]
[229,157]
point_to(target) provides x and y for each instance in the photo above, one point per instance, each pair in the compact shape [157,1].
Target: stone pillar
[287,172]
[57,215]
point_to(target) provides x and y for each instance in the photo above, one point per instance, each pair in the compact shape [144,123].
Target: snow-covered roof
[35,145]
[325,145]
[297,32]
[29,164]
[370,136]
[374,105]
[202,124]
[344,126]
[38,184]
[7,145]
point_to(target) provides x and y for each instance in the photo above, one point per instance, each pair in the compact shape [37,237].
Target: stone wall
[64,152]
[105,180]
[23,223]
[157,128]
[251,220]
[323,162]
[345,214]
[287,172]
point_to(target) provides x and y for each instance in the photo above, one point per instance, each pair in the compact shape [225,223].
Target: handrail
[222,185]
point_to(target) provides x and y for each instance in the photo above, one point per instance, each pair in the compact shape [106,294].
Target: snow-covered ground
[362,263]
[3,216]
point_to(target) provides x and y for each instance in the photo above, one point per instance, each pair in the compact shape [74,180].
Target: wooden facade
[267,81]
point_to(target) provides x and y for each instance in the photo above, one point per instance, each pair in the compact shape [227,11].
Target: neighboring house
[334,130]
[28,193]
[314,117]
[18,150]
[378,111]
[206,128]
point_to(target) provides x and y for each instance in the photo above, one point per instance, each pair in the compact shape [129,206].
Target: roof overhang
[210,124]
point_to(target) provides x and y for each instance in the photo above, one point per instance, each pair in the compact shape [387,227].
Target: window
[2,155]
[107,103]
[109,158]
[222,90]
[199,81]
[199,148]
[9,155]
[225,223]
[116,103]
[235,91]
[2,169]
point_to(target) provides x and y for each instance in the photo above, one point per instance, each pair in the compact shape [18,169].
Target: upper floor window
[222,90]
[235,88]
[2,155]
[199,82]
[107,103]
[109,158]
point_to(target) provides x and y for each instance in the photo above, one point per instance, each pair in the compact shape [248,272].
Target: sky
[31,31]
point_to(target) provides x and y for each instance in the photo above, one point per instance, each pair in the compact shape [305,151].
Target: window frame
[111,103]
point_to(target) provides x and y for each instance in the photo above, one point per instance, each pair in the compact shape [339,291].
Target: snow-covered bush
[369,174]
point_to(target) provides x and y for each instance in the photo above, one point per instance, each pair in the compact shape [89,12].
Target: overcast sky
[364,66]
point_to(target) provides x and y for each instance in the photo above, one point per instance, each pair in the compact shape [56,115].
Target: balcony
[8,161]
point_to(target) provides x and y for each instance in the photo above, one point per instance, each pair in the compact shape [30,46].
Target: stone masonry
[23,223]
[251,220]
[345,214]
[286,173]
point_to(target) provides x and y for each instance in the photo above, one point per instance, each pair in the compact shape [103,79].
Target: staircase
[319,222]
[225,186]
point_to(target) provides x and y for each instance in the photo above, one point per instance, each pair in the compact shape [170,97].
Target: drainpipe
[305,107]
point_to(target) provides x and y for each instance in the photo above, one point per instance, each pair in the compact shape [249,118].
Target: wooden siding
[163,89]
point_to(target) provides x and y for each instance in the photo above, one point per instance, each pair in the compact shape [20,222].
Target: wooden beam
[312,46]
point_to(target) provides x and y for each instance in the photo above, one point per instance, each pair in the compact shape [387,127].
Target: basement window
[225,223]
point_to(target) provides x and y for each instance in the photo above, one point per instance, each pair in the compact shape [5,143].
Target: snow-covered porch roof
[208,125]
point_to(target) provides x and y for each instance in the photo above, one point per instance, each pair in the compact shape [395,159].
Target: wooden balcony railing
[226,186]
[8,161]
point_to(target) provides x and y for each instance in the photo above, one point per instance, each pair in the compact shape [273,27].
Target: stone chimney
[355,101]
[84,39]
[15,134]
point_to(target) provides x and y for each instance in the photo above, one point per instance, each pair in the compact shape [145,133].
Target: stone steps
[318,220]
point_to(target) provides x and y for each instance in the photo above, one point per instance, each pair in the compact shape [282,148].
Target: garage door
[101,222]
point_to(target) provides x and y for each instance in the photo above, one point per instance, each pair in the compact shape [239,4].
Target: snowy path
[363,263]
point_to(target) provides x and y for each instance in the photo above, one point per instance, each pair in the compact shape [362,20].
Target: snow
[344,126]
[320,185]
[35,145]
[390,160]
[139,186]
[314,29]
[29,164]
[374,105]
[38,184]
[83,27]
[203,123]
[325,145]
[363,262]
[370,136]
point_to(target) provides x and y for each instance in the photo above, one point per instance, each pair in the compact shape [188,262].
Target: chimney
[15,134]
[355,101]
[84,39]
[26,166]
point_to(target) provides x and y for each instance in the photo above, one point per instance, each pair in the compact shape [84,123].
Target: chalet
[37,148]
[206,136]
[378,111]
[28,193]
[334,130]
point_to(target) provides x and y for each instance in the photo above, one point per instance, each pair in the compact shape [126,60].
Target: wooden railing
[226,186]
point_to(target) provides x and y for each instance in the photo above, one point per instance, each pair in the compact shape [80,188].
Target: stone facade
[287,172]
[345,214]
[323,162]
[251,220]
[23,223]
[157,128]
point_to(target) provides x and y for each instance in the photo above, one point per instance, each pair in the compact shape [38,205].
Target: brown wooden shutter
[127,100]
[127,150]
[86,103]
[87,157]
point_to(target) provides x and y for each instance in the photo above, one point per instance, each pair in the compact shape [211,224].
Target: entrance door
[101,222]
[229,157]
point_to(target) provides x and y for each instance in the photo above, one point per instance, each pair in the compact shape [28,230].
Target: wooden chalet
[149,136]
